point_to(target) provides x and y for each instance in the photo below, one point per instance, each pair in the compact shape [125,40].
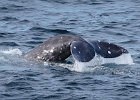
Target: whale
[60,47]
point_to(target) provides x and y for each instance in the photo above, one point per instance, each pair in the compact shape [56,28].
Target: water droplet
[109,52]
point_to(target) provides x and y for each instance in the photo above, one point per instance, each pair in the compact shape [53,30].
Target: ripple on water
[59,31]
[9,44]
[8,19]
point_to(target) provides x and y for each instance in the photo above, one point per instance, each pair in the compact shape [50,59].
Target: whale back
[54,49]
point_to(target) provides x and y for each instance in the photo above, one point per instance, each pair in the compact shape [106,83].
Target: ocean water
[26,23]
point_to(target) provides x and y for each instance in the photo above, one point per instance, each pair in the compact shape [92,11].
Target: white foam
[11,52]
[123,59]
[98,61]
[10,56]
[3,59]
[95,64]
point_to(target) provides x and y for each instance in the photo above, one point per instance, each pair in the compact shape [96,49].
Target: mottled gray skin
[54,49]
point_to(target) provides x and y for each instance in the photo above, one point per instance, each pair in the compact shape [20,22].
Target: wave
[9,19]
[40,29]
[3,9]
[6,34]
[90,2]
[8,44]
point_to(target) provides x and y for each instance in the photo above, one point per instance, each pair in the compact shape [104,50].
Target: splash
[123,59]
[11,52]
[99,61]
[96,64]
[10,55]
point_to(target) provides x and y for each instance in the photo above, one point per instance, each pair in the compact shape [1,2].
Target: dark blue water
[26,23]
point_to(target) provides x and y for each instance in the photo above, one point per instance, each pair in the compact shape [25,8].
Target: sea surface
[25,24]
